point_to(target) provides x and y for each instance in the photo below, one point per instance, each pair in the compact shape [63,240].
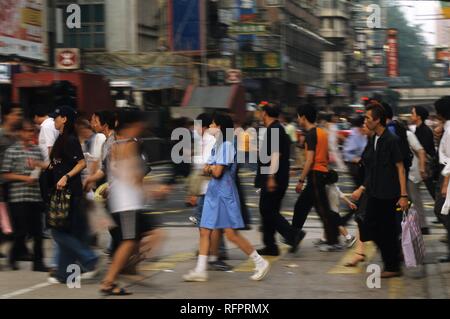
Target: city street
[307,274]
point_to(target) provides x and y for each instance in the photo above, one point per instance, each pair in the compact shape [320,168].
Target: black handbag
[59,210]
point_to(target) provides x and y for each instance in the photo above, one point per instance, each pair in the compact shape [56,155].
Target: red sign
[67,59]
[392,54]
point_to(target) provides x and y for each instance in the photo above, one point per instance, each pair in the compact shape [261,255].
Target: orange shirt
[317,139]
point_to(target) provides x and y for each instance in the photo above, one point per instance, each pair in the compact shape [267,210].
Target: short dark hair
[272,110]
[422,112]
[107,117]
[378,112]
[225,122]
[358,121]
[332,177]
[388,110]
[129,116]
[205,118]
[308,111]
[40,110]
[442,107]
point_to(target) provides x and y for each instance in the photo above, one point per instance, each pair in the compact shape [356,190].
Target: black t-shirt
[426,139]
[382,179]
[282,175]
[71,155]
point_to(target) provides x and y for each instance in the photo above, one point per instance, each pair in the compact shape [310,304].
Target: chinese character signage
[392,54]
[248,29]
[259,61]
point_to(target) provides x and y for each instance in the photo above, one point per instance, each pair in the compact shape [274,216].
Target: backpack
[400,131]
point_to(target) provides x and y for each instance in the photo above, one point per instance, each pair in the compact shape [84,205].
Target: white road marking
[25,291]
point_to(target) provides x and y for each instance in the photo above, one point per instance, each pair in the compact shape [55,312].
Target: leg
[430,183]
[416,198]
[35,230]
[19,224]
[216,238]
[323,208]
[266,208]
[303,206]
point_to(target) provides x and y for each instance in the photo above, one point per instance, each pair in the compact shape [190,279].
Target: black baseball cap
[65,111]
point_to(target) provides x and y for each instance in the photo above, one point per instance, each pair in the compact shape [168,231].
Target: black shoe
[40,267]
[219,266]
[425,231]
[444,259]
[26,257]
[436,222]
[294,247]
[2,255]
[269,251]
[223,256]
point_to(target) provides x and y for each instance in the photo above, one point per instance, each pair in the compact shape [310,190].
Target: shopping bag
[59,209]
[412,241]
[5,222]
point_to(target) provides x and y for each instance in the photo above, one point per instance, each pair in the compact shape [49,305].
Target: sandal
[114,290]
[355,263]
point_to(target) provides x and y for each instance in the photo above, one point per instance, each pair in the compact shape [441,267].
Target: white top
[376,141]
[334,197]
[202,152]
[444,146]
[97,146]
[47,137]
[414,144]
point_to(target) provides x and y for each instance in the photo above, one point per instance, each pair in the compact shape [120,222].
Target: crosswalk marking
[369,251]
[167,263]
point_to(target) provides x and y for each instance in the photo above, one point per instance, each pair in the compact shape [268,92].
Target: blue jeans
[72,251]
[200,203]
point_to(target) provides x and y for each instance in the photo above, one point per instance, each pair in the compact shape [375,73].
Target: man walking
[385,184]
[273,179]
[315,169]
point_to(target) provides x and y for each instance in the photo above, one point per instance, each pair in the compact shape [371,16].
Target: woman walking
[222,206]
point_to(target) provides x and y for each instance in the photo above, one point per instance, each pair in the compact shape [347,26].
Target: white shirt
[414,144]
[444,146]
[47,137]
[376,141]
[203,153]
[334,196]
[97,146]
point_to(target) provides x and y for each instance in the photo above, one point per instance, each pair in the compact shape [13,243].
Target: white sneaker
[194,276]
[193,220]
[90,274]
[53,280]
[261,271]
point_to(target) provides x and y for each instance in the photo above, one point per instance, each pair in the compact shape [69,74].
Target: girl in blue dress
[222,206]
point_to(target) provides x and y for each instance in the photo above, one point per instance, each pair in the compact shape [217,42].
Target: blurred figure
[354,146]
[442,107]
[25,201]
[274,184]
[291,131]
[222,208]
[425,136]
[333,143]
[47,133]
[126,195]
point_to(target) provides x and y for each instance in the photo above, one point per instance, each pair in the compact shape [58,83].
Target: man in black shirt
[425,136]
[385,184]
[273,179]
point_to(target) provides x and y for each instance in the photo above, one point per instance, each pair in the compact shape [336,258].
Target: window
[91,36]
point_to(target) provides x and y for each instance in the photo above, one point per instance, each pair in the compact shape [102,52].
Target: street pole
[204,53]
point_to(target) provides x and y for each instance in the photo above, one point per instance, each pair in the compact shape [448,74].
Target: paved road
[307,274]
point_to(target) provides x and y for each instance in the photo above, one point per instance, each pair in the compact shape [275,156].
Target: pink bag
[412,241]
[5,222]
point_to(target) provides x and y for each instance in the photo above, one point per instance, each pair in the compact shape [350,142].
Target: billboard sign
[253,61]
[22,29]
[185,27]
[67,59]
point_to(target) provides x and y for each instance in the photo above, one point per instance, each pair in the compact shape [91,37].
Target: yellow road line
[167,263]
[248,265]
[339,268]
[396,288]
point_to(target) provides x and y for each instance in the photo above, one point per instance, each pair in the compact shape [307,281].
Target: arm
[12,177]
[403,202]
[273,169]
[422,162]
[444,186]
[75,171]
[306,169]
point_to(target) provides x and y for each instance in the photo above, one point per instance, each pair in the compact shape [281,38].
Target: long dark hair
[58,148]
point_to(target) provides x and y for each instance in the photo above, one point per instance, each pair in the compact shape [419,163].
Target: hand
[356,195]
[444,189]
[352,206]
[299,187]
[206,170]
[403,203]
[62,183]
[356,160]
[271,184]
[423,174]
[104,192]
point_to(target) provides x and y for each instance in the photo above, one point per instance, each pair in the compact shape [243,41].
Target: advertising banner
[185,28]
[22,28]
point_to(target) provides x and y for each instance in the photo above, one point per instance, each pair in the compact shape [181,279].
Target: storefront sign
[259,61]
[392,54]
[248,29]
[67,59]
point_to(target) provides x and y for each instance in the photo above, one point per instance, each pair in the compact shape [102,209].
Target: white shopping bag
[412,241]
